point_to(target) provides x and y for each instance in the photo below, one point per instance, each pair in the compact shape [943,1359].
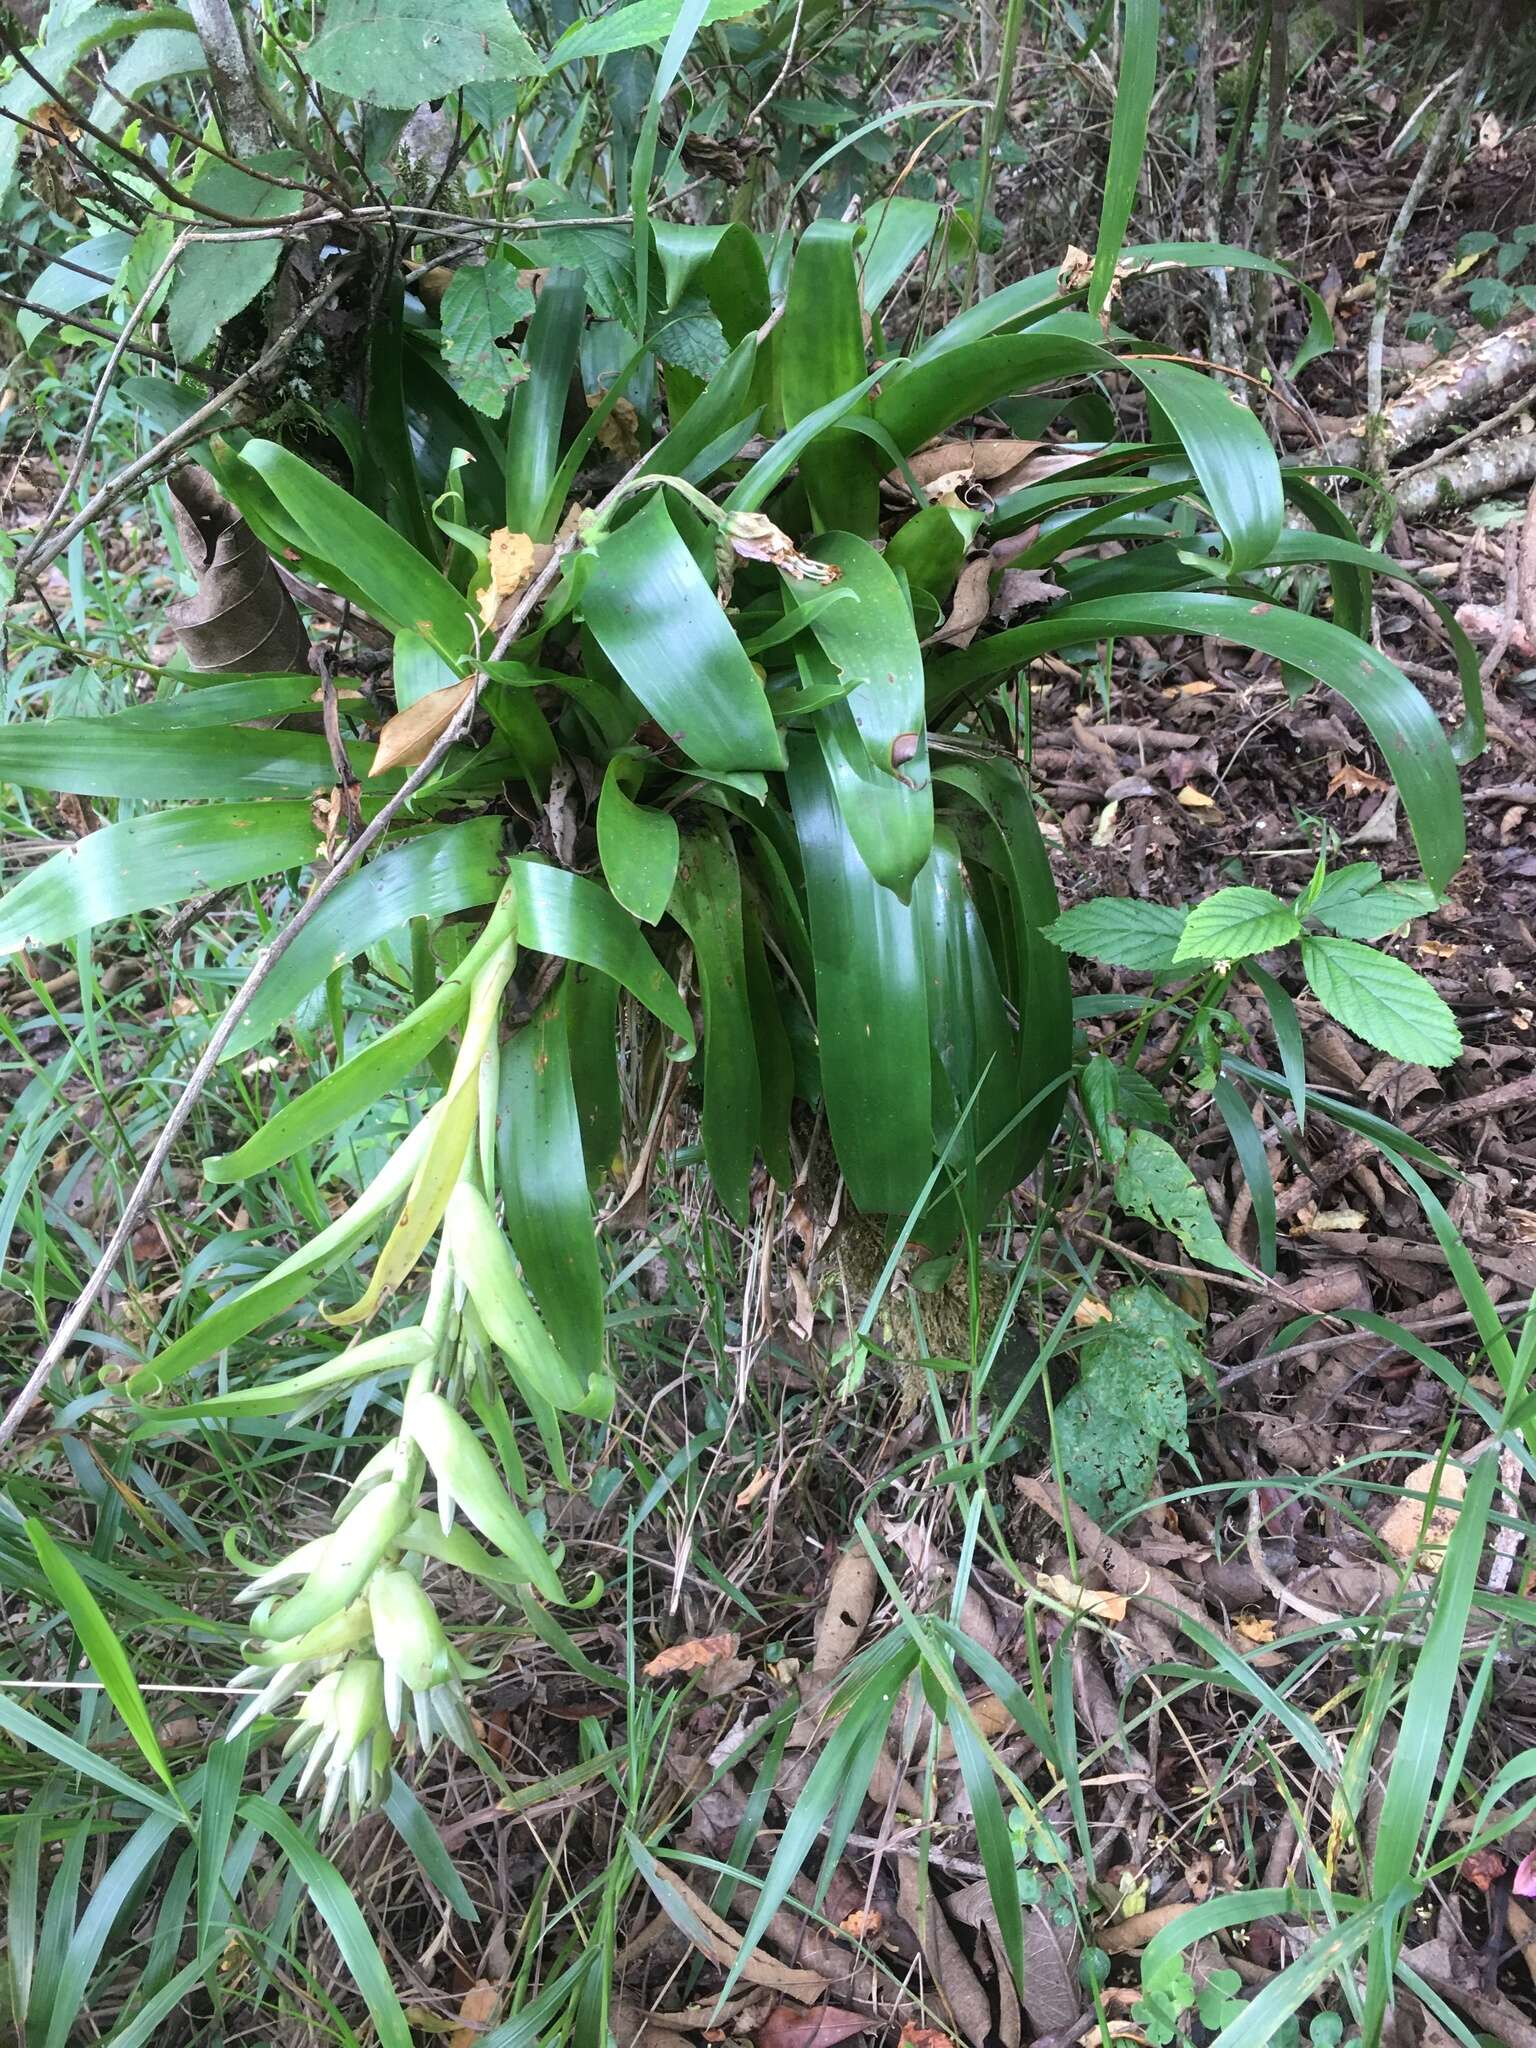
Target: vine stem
[144,1187]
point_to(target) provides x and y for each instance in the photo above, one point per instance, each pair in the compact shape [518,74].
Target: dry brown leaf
[722,1944]
[761,1478]
[1255,1628]
[1075,269]
[863,1923]
[969,605]
[476,2014]
[798,2026]
[1090,1600]
[982,459]
[1090,1311]
[1195,799]
[1348,780]
[620,432]
[690,1656]
[1338,1219]
[1413,1526]
[514,560]
[923,2037]
[406,739]
[1195,689]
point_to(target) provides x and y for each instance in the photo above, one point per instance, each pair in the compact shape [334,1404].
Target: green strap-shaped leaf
[973,1078]
[145,862]
[538,404]
[1127,141]
[568,915]
[543,1183]
[896,232]
[1043,996]
[442,871]
[398,586]
[872,643]
[657,620]
[1400,721]
[775,1055]
[636,844]
[110,757]
[237,1315]
[706,902]
[821,356]
[590,1027]
[871,1007]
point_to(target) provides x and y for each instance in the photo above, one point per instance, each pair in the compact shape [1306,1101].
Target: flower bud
[351,1553]
[466,1476]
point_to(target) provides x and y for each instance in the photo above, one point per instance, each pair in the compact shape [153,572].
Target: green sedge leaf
[1234,923]
[1121,931]
[1382,1000]
[98,1639]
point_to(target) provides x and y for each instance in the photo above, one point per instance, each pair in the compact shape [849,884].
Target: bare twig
[170,444]
[75,319]
[99,398]
[1445,129]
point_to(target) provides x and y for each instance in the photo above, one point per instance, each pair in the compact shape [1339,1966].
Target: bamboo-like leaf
[538,404]
[143,863]
[660,624]
[454,868]
[1400,721]
[408,737]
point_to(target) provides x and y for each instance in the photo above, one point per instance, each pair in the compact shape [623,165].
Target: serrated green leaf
[397,53]
[484,302]
[690,338]
[66,285]
[1234,923]
[1371,908]
[1121,931]
[1382,1000]
[1153,1182]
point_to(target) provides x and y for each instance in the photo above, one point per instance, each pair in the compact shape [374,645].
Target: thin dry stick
[245,995]
[38,557]
[98,400]
[1445,128]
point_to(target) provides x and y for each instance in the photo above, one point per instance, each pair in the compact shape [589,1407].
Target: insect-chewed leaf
[406,739]
[1153,1182]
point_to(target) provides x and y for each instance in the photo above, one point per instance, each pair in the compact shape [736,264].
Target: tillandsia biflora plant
[735,789]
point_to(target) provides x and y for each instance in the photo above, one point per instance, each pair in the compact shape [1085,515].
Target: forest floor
[740,1575]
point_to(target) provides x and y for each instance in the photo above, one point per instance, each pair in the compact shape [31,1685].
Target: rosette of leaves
[749,820]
